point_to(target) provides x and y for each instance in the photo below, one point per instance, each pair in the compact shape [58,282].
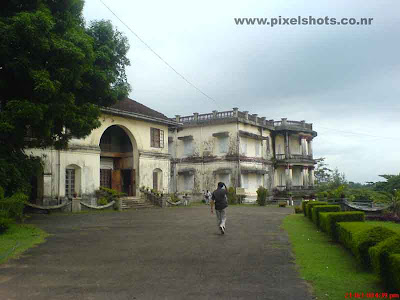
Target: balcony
[286,124]
[294,158]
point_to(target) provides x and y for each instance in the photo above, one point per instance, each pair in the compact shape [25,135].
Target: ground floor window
[69,182]
[105,178]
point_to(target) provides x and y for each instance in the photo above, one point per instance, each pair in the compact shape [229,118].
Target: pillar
[311,176]
[303,146]
[305,177]
[288,172]
[76,205]
[310,152]
[287,148]
[236,112]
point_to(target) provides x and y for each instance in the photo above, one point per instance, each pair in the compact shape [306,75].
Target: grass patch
[18,238]
[328,266]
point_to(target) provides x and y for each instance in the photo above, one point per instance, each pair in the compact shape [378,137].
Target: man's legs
[221,218]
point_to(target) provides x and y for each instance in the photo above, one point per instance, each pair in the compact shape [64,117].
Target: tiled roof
[130,105]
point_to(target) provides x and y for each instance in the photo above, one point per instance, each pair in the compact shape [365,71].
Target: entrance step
[135,203]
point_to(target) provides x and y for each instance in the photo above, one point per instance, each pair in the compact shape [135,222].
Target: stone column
[246,115]
[305,177]
[310,152]
[290,176]
[287,177]
[287,148]
[196,116]
[303,146]
[177,118]
[236,112]
[215,113]
[312,177]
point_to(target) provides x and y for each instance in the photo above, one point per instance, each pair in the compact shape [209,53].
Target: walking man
[219,199]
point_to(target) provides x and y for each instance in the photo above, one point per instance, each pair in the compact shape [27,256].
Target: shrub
[14,206]
[109,194]
[347,231]
[262,194]
[282,204]
[322,208]
[303,206]
[232,197]
[366,239]
[174,198]
[5,222]
[102,201]
[298,210]
[394,271]
[380,253]
[310,205]
[328,220]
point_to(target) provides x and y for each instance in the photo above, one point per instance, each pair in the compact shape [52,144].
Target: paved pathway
[172,253]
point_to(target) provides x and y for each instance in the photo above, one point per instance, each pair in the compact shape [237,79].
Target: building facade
[136,147]
[127,151]
[241,150]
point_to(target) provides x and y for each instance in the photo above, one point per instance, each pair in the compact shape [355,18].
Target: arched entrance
[118,160]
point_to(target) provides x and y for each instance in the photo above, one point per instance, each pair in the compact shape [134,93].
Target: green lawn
[328,266]
[18,239]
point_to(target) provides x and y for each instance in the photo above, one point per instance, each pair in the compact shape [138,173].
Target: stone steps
[135,203]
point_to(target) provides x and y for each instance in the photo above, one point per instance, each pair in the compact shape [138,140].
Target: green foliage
[310,205]
[55,73]
[298,209]
[379,254]
[174,198]
[347,231]
[395,203]
[102,201]
[282,204]
[328,220]
[232,197]
[367,239]
[304,207]
[394,271]
[13,206]
[262,194]
[5,222]
[391,183]
[316,209]
[106,195]
[384,263]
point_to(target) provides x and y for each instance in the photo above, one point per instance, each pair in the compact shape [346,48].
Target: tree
[322,172]
[55,74]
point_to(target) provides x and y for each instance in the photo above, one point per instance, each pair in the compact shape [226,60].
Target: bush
[5,222]
[102,201]
[298,210]
[14,206]
[303,206]
[322,208]
[366,239]
[232,197]
[347,231]
[310,205]
[329,220]
[394,271]
[262,194]
[380,253]
[282,204]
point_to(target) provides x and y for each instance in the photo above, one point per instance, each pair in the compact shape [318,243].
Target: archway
[118,160]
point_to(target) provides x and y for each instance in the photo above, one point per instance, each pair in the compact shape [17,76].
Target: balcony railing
[242,115]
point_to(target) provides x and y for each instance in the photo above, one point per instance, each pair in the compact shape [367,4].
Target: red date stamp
[372,295]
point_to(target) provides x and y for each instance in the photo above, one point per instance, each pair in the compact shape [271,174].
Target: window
[69,182]
[156,138]
[223,144]
[245,181]
[187,147]
[258,148]
[188,182]
[105,178]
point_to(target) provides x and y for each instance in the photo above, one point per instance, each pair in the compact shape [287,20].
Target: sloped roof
[132,106]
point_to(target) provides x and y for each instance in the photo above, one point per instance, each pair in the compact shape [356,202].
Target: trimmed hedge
[298,210]
[310,205]
[379,255]
[366,239]
[394,270]
[322,208]
[347,231]
[303,206]
[328,220]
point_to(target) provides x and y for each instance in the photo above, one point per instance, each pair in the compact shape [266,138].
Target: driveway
[170,253]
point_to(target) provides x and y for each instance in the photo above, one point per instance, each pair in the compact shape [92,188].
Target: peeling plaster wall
[280,144]
[147,165]
[280,176]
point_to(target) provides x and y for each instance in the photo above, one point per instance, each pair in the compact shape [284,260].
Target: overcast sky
[343,79]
